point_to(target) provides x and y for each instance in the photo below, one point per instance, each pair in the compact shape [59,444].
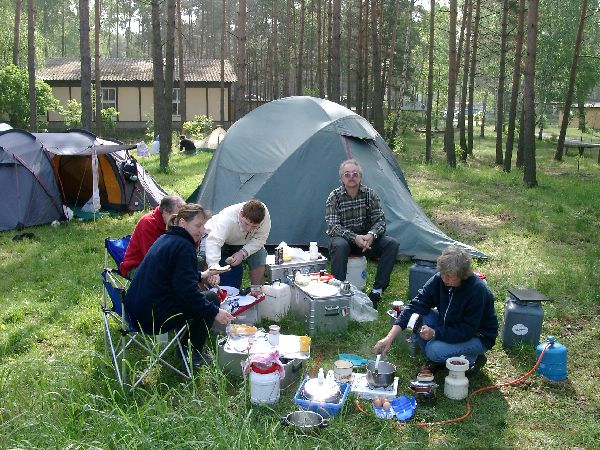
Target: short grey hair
[350,161]
[170,203]
[454,261]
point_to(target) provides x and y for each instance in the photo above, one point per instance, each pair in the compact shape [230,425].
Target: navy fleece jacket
[166,284]
[464,312]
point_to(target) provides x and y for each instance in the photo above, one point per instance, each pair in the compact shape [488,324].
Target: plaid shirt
[346,216]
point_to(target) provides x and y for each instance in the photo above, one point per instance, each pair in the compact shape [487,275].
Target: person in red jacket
[149,228]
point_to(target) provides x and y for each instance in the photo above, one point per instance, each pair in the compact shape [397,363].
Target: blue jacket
[464,312]
[166,284]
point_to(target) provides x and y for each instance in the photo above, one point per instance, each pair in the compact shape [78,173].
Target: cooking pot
[304,421]
[383,376]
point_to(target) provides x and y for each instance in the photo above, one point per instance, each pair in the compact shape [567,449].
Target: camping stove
[362,389]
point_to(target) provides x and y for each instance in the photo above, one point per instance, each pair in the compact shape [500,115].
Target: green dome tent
[287,154]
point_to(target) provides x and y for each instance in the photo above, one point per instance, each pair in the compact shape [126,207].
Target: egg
[377,402]
[386,405]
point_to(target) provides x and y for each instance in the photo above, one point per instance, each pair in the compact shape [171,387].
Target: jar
[274,335]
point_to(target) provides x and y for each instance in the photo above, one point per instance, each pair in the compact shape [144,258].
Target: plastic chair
[114,312]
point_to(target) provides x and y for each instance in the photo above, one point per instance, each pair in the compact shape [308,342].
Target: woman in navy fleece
[164,293]
[457,314]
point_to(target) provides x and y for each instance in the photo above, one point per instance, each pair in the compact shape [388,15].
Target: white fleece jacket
[225,228]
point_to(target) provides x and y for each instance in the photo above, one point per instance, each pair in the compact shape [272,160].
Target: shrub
[199,127]
[72,114]
[109,116]
[14,96]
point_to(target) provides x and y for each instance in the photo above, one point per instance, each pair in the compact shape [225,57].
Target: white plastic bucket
[357,271]
[264,387]
[277,301]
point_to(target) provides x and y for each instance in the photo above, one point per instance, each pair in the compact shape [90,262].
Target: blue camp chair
[114,312]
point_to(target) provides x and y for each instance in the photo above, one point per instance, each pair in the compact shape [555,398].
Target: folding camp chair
[114,312]
[116,249]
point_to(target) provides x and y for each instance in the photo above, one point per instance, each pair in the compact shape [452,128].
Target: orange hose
[472,394]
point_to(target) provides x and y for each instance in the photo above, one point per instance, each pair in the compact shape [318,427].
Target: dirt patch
[468,224]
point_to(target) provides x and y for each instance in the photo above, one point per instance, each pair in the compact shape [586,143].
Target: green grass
[57,389]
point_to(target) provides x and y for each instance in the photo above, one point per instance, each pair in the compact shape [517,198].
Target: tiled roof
[134,69]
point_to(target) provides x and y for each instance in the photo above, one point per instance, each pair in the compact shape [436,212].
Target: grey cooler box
[283,271]
[325,314]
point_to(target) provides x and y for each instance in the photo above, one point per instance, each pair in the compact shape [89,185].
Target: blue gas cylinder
[554,363]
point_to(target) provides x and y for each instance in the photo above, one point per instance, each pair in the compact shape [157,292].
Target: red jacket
[150,227]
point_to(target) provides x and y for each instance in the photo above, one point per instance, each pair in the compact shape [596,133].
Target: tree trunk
[320,82]
[569,100]
[361,59]
[275,52]
[289,20]
[86,65]
[514,98]
[299,86]
[158,72]
[529,173]
[404,78]
[472,77]
[368,112]
[464,112]
[376,70]
[429,82]
[97,72]
[501,80]
[483,114]
[581,115]
[459,52]
[349,26]
[31,65]
[166,141]
[390,71]
[521,145]
[222,97]
[329,43]
[181,59]
[17,32]
[449,132]
[336,45]
[241,64]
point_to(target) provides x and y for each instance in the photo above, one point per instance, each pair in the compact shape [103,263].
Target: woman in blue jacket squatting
[164,293]
[457,314]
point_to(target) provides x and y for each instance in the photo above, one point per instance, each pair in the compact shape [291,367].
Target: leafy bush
[71,114]
[149,134]
[398,145]
[199,127]
[14,96]
[409,120]
[109,116]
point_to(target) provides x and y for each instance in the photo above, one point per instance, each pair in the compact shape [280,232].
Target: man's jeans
[439,351]
[384,246]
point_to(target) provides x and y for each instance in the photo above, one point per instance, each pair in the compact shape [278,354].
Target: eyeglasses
[351,174]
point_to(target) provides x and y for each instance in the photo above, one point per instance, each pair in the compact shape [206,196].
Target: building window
[176,102]
[109,97]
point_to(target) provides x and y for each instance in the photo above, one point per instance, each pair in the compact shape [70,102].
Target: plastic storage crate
[324,408]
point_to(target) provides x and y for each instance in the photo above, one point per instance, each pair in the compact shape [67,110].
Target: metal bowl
[383,376]
[304,421]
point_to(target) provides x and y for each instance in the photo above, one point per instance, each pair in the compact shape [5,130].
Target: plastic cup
[304,343]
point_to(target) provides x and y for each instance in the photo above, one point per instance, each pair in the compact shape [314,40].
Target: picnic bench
[579,145]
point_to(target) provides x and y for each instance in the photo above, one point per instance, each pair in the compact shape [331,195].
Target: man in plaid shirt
[356,224]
